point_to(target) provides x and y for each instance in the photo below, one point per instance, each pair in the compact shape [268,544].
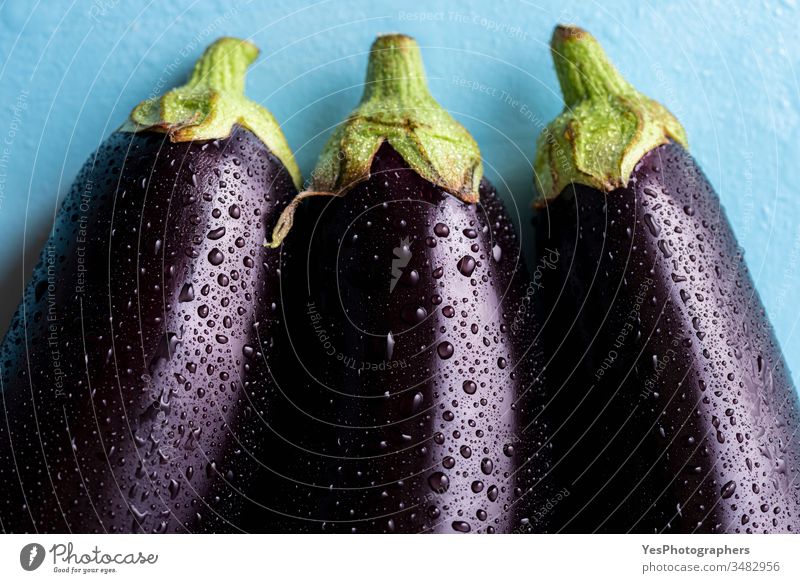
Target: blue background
[71,72]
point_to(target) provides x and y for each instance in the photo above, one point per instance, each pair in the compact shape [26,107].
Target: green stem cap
[397,107]
[606,127]
[212,102]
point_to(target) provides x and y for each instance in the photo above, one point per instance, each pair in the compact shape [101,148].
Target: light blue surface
[71,72]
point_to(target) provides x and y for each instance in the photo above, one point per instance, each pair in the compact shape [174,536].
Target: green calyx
[212,102]
[397,107]
[606,126]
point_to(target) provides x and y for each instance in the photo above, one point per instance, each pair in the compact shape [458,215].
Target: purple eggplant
[671,405]
[402,289]
[133,368]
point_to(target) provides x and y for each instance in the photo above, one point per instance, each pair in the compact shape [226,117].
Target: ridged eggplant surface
[129,402]
[418,409]
[673,409]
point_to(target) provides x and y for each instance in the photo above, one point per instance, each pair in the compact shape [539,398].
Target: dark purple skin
[690,424]
[430,430]
[157,270]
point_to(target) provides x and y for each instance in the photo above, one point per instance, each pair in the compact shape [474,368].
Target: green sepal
[606,127]
[397,107]
[212,102]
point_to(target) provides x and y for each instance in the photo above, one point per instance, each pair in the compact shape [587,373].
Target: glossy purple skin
[156,271]
[672,407]
[417,409]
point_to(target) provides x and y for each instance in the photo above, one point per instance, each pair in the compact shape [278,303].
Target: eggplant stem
[212,102]
[606,127]
[583,69]
[397,107]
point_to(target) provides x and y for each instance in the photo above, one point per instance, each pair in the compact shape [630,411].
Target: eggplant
[132,370]
[403,287]
[672,409]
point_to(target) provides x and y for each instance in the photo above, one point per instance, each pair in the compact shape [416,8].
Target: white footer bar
[380,558]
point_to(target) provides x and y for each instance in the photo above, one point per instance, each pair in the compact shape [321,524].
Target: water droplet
[497,253]
[445,350]
[441,230]
[466,265]
[389,346]
[439,482]
[187,293]
[728,489]
[217,233]
[138,514]
[410,277]
[412,314]
[654,227]
[416,401]
[215,256]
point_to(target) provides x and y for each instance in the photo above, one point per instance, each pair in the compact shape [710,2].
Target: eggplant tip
[563,32]
[393,35]
[393,38]
[232,40]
